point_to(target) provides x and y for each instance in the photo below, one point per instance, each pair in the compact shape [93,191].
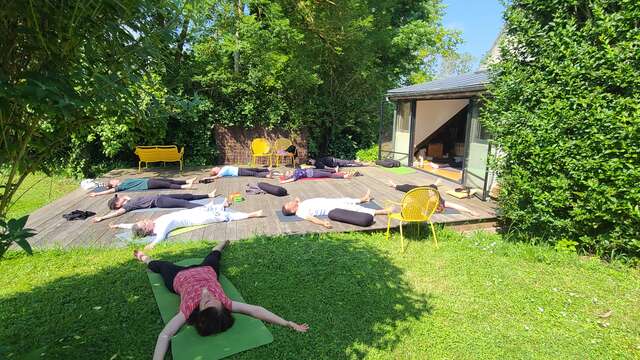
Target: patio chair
[279,151]
[260,147]
[417,206]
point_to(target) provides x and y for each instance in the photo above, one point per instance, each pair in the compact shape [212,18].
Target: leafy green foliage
[13,231]
[565,108]
[367,300]
[368,155]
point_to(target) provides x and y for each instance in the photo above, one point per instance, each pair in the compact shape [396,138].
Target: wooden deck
[54,231]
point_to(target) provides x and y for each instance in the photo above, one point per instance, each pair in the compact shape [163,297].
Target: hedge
[565,109]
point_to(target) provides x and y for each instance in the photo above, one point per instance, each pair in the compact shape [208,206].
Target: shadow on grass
[349,292]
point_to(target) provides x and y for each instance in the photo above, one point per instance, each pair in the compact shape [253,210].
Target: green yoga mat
[403,170]
[246,332]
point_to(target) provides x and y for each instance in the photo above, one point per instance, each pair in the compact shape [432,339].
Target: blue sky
[479,21]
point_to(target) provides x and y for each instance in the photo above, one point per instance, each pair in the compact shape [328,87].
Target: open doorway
[440,137]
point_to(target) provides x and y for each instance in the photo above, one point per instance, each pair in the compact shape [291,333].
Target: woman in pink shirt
[203,302]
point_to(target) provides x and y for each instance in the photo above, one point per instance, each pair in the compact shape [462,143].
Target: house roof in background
[460,85]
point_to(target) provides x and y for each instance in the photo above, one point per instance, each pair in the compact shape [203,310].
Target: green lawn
[472,297]
[41,191]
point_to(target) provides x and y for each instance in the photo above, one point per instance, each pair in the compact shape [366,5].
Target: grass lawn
[42,190]
[472,297]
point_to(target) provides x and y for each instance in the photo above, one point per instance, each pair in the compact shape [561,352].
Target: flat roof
[465,85]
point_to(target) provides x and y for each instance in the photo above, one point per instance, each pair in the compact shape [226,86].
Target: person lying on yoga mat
[442,204]
[297,174]
[163,225]
[119,205]
[115,185]
[218,172]
[203,302]
[331,162]
[311,208]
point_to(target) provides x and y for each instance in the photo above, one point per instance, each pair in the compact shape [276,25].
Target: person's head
[214,171]
[116,202]
[211,317]
[113,183]
[143,228]
[311,162]
[290,208]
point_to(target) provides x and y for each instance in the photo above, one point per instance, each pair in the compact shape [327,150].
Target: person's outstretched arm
[287,180]
[110,215]
[263,314]
[108,191]
[120,226]
[315,220]
[172,327]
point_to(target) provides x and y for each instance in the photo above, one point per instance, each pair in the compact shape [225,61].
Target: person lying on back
[310,209]
[120,205]
[442,205]
[163,225]
[141,184]
[297,174]
[331,162]
[228,170]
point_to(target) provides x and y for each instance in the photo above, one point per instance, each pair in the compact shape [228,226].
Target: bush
[368,155]
[565,108]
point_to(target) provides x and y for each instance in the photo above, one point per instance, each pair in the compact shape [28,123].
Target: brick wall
[234,143]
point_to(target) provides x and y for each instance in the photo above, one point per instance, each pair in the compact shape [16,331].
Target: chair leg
[401,238]
[418,226]
[433,231]
[139,166]
[388,227]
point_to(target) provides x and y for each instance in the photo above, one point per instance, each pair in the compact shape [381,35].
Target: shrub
[368,155]
[565,108]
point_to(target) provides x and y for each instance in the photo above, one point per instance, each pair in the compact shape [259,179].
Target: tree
[63,66]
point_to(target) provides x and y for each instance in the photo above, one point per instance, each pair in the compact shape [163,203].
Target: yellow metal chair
[279,151]
[416,206]
[260,147]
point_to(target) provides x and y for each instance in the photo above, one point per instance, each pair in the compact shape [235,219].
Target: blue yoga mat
[293,218]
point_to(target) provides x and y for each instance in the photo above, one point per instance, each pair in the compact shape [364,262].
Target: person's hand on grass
[298,327]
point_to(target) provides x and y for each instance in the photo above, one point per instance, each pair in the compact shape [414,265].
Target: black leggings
[325,173]
[261,173]
[178,200]
[169,270]
[165,184]
[333,162]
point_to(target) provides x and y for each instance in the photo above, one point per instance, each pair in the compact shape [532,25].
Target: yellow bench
[159,153]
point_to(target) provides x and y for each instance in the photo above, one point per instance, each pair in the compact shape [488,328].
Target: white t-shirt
[322,206]
[197,216]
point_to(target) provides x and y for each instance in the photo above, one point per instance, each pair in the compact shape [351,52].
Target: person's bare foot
[212,194]
[142,257]
[225,203]
[367,197]
[191,181]
[392,184]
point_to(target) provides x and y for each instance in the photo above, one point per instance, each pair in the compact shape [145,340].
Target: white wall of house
[432,114]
